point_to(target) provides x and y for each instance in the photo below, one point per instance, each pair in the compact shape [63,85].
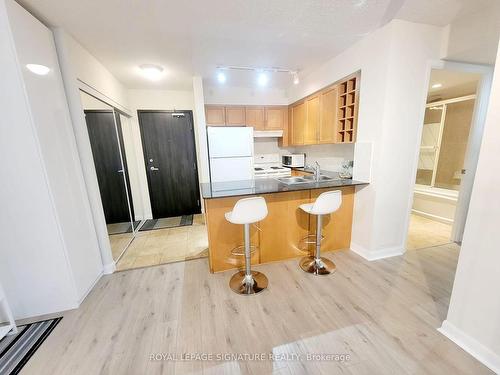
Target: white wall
[473,320]
[157,100]
[394,73]
[91,72]
[72,59]
[473,37]
[224,94]
[50,255]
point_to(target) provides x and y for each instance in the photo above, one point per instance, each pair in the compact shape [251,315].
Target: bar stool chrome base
[240,285]
[321,266]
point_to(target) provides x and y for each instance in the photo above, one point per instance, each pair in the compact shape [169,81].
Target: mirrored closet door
[104,126]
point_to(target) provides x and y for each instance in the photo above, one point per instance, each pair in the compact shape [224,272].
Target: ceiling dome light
[151,71]
[221,77]
[38,69]
[296,79]
[263,79]
[437,85]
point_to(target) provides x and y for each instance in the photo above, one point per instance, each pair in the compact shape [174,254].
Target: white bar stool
[327,203]
[248,211]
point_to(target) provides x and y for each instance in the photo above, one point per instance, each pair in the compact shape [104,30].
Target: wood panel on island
[281,234]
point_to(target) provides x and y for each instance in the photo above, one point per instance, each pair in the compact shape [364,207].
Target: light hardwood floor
[161,246]
[423,233]
[384,314]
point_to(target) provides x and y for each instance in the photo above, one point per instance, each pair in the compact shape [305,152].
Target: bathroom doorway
[445,143]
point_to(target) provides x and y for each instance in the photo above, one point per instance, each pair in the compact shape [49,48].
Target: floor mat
[169,222]
[16,350]
[120,228]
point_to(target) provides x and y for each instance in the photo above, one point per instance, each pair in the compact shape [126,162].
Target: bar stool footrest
[240,250]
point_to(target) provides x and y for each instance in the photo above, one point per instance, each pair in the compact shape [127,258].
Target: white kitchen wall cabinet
[49,252]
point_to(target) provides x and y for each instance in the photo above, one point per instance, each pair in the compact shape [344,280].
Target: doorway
[446,131]
[105,131]
[170,161]
[177,230]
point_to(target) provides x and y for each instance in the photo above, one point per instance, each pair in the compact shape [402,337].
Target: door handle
[154,169]
[120,171]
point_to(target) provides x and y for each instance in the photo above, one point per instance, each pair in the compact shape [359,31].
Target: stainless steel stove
[269,166]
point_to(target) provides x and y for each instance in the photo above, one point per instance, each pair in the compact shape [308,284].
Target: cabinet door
[298,123]
[255,117]
[275,118]
[328,115]
[312,121]
[235,116]
[215,115]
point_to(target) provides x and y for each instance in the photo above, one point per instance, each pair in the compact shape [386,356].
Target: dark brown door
[170,158]
[104,141]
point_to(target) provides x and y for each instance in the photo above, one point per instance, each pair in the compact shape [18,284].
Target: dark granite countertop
[266,186]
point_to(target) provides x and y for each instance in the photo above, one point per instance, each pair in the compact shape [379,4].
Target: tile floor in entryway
[160,246]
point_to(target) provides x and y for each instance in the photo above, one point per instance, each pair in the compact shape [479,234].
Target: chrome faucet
[316,170]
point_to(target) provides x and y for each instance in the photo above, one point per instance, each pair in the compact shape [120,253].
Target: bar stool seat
[245,212]
[327,203]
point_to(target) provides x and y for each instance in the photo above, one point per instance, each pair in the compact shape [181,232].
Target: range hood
[268,133]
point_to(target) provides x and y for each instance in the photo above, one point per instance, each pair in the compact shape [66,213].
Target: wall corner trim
[109,268]
[483,354]
[378,254]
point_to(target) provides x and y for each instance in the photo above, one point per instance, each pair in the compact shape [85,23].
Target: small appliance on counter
[269,166]
[293,160]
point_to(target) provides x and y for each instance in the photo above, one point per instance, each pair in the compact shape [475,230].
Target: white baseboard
[427,215]
[483,354]
[378,254]
[89,289]
[109,268]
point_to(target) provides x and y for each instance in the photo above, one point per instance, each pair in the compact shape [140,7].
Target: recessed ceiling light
[221,77]
[437,85]
[263,79]
[151,71]
[38,69]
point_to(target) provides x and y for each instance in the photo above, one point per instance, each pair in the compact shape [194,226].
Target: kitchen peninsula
[281,234]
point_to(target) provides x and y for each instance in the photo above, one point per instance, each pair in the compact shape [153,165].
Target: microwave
[293,160]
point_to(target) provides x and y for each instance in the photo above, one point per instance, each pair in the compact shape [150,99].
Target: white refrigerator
[231,153]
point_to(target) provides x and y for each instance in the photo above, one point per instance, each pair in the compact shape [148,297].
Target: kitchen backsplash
[330,157]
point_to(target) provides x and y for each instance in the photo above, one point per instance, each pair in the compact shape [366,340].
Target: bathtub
[435,203]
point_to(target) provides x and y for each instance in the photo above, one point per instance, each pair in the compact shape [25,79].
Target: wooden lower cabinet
[280,232]
[336,227]
[223,236]
[287,223]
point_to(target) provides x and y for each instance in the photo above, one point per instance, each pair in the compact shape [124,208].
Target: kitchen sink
[304,179]
[293,180]
[321,178]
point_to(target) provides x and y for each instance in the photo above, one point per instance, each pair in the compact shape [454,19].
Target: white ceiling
[191,37]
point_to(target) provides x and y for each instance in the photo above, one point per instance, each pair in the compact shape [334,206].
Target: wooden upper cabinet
[215,115]
[235,116]
[312,120]
[255,117]
[298,123]
[328,115]
[276,118]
